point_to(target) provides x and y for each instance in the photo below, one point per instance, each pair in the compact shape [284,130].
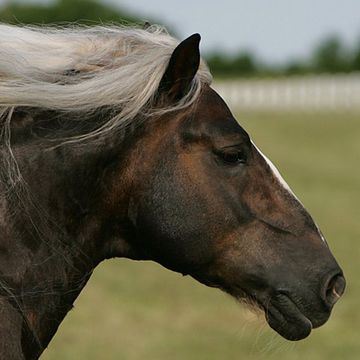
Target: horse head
[204,201]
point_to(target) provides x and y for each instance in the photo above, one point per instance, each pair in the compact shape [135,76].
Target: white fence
[337,92]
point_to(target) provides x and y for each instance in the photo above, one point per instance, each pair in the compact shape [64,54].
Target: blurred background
[290,73]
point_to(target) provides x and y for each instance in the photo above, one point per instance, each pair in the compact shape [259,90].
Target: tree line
[330,56]
[88,12]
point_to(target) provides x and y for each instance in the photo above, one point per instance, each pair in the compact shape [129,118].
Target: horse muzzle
[293,316]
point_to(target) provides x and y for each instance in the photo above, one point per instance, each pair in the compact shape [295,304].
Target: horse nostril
[334,289]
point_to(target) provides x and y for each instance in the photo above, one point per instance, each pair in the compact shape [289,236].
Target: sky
[276,30]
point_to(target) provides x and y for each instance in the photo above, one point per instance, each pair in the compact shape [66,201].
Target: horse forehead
[213,116]
[211,105]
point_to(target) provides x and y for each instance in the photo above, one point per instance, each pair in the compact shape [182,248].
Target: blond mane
[81,69]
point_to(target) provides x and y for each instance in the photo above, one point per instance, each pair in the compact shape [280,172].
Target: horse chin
[281,312]
[286,319]
[283,315]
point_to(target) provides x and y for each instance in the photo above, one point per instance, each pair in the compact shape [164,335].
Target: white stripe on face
[276,173]
[284,184]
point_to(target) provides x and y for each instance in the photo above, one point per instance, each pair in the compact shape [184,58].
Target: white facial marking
[284,184]
[276,173]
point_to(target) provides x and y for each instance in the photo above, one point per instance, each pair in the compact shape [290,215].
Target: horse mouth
[281,312]
[283,316]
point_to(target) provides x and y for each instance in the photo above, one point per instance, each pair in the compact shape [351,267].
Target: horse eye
[233,157]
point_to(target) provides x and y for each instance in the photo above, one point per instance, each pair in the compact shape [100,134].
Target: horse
[114,144]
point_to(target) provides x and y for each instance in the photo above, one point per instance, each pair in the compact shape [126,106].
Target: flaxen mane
[81,69]
[84,68]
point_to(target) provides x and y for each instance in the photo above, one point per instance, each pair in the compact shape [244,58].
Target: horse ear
[182,67]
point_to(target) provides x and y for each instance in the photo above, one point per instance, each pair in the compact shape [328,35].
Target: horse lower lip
[287,320]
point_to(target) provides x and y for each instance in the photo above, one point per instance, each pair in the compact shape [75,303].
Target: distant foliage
[242,64]
[356,58]
[330,56]
[80,11]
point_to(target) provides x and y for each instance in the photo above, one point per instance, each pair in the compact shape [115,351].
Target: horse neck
[57,231]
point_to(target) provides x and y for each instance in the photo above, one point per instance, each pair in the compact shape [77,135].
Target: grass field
[133,310]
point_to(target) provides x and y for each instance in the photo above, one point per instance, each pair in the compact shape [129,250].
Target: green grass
[138,310]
